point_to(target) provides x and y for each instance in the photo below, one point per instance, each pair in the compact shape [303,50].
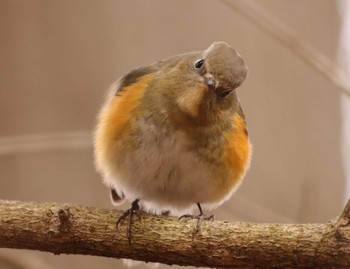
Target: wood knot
[64,216]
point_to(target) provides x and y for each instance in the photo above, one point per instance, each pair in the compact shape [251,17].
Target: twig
[277,30]
[63,228]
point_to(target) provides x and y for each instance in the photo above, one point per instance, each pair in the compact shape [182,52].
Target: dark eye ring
[198,64]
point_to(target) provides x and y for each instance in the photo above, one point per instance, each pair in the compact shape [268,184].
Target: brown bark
[63,228]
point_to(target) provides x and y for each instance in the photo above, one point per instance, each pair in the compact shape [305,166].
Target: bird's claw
[200,219]
[133,210]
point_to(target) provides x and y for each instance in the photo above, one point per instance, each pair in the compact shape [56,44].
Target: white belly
[164,174]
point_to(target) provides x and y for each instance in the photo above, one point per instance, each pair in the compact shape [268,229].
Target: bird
[172,136]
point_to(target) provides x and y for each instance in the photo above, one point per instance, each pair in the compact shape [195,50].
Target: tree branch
[63,228]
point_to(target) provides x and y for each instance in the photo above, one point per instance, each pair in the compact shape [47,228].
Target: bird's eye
[199,63]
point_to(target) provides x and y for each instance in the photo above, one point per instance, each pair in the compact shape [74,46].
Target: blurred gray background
[58,59]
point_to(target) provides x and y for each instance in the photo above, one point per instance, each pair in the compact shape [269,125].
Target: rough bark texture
[63,228]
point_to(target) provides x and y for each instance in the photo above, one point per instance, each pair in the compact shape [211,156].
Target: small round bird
[172,135]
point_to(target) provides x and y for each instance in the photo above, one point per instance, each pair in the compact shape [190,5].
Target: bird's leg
[199,217]
[166,213]
[134,209]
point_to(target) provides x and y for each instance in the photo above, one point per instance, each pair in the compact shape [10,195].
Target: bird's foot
[133,210]
[199,217]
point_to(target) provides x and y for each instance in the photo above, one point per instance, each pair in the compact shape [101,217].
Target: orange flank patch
[237,151]
[115,117]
